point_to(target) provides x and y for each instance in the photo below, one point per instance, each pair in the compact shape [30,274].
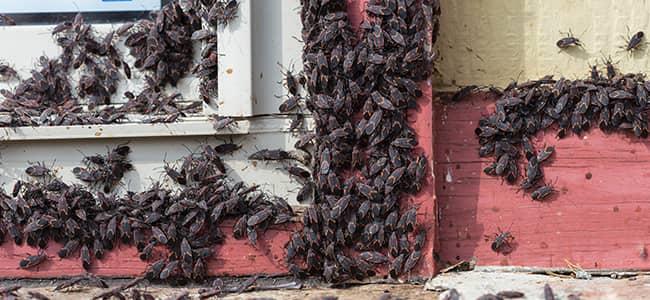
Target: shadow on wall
[458,170]
[276,39]
[480,40]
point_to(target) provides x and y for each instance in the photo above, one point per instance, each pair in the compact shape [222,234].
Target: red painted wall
[237,257]
[234,257]
[602,222]
[422,121]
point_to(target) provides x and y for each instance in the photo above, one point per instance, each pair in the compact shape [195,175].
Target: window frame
[234,93]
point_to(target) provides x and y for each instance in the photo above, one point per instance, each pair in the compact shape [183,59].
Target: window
[264,34]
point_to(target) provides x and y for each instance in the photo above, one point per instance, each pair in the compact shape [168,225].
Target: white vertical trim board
[236,64]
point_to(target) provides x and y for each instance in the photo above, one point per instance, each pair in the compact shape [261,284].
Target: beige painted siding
[492,41]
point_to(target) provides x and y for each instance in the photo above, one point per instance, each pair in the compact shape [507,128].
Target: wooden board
[237,257]
[425,201]
[602,222]
[233,257]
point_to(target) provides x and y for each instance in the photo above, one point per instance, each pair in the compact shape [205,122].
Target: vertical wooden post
[422,121]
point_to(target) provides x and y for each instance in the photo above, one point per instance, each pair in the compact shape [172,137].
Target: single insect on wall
[569,41]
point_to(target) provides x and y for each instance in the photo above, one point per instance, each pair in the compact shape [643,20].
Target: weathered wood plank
[422,122]
[233,257]
[600,222]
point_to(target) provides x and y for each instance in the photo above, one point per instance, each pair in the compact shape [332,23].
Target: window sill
[193,126]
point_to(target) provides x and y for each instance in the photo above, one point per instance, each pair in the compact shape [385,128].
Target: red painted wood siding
[237,257]
[234,257]
[603,222]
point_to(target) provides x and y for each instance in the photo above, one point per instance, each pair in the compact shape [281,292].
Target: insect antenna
[191,152]
[284,71]
[580,43]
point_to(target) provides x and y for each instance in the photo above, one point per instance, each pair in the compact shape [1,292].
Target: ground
[470,285]
[602,285]
[369,291]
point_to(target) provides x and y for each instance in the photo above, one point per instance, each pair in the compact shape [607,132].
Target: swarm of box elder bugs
[380,71]
[616,102]
[185,220]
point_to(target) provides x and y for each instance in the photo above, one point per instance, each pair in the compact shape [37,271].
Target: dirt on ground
[592,285]
[469,285]
[369,291]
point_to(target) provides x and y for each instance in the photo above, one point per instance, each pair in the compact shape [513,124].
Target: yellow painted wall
[487,42]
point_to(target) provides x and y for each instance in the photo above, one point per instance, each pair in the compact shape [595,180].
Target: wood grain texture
[233,257]
[238,257]
[422,121]
[602,222]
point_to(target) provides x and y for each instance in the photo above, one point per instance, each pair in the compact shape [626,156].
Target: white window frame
[235,89]
[236,65]
[260,37]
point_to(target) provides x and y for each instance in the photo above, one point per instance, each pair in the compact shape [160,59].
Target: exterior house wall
[275,41]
